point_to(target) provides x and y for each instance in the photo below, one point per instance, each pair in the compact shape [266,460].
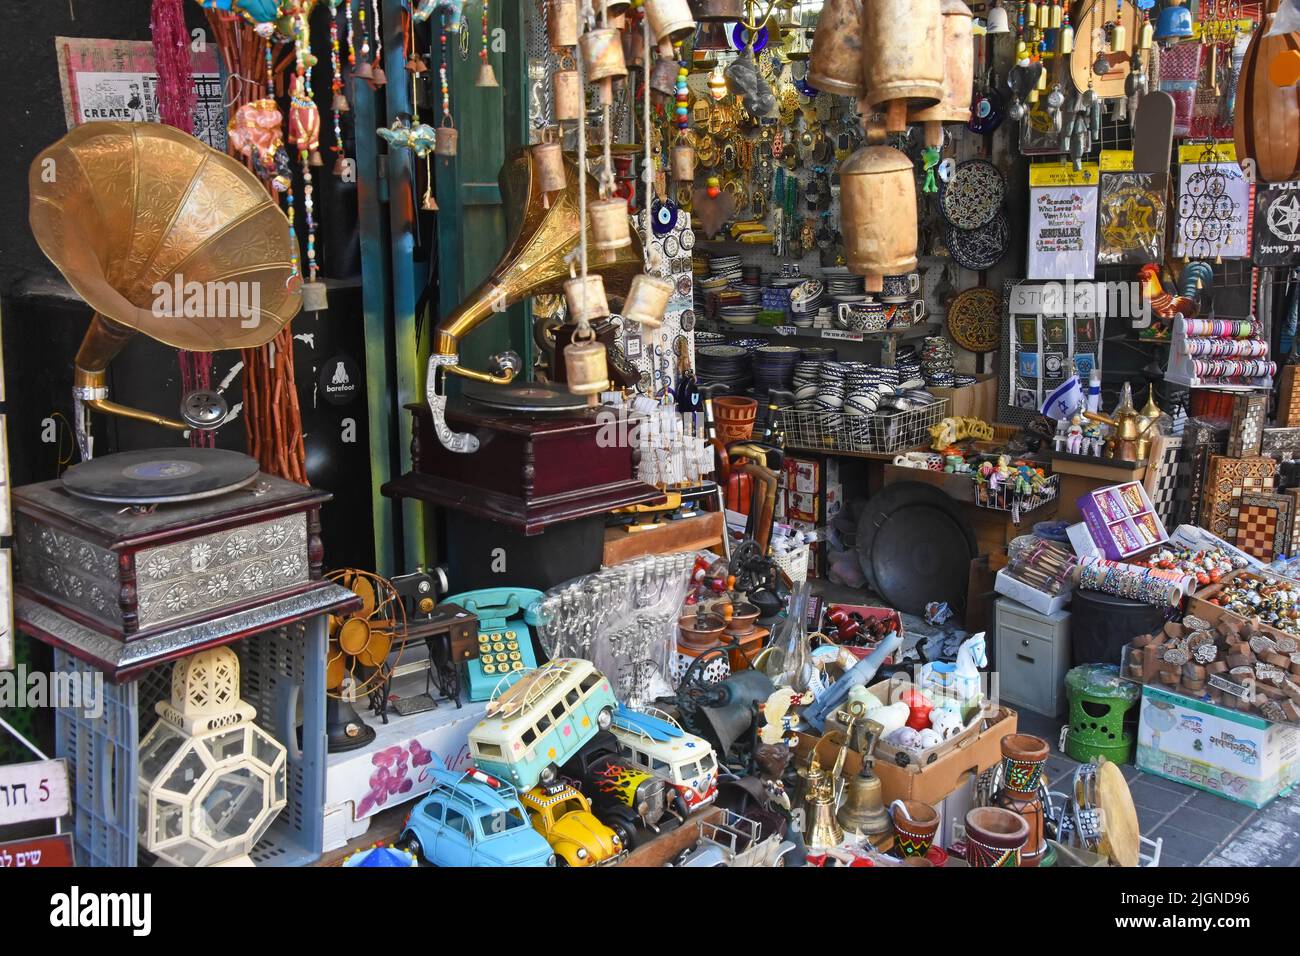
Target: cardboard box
[1238,756]
[933,782]
[350,797]
[972,401]
[1031,597]
[1112,521]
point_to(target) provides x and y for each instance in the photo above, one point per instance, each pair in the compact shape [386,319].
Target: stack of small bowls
[938,364]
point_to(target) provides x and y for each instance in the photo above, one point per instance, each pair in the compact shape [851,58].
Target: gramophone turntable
[522,454]
[139,557]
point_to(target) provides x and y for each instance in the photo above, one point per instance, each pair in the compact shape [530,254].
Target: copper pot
[698,633]
[743,616]
[836,62]
[994,837]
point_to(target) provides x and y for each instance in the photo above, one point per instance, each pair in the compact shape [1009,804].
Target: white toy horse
[952,686]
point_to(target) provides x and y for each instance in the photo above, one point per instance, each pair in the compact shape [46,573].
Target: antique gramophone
[525,455]
[163,235]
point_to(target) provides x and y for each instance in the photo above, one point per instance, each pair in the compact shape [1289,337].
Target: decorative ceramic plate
[975,319]
[973,197]
[978,249]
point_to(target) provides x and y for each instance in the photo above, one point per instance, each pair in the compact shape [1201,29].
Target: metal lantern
[647,299]
[836,63]
[210,781]
[878,214]
[670,19]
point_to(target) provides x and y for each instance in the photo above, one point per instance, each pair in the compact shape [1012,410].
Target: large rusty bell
[562,22]
[602,54]
[836,62]
[878,213]
[902,57]
[586,298]
[669,19]
[566,86]
[958,73]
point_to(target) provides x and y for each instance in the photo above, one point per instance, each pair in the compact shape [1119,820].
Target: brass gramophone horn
[163,235]
[534,263]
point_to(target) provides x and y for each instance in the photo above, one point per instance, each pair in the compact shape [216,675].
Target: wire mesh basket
[794,563]
[1004,497]
[879,433]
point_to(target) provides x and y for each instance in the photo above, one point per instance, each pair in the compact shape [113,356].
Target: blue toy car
[470,818]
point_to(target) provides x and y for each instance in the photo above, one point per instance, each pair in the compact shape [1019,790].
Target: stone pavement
[1197,828]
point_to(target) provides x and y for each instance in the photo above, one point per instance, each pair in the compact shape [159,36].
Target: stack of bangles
[1234,368]
[1221,328]
[1149,585]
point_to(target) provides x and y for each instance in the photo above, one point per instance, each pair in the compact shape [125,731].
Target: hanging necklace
[339,104]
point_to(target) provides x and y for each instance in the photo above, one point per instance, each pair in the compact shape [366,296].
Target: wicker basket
[794,563]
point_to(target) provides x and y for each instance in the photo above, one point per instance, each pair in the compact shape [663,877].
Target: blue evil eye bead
[665,217]
[740,38]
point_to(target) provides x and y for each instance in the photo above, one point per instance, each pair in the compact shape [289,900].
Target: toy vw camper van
[654,741]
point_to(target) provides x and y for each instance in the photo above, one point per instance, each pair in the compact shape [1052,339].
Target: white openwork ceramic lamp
[210,781]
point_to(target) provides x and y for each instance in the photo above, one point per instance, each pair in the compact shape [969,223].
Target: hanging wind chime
[445,135]
[339,102]
[486,75]
[377,76]
[304,133]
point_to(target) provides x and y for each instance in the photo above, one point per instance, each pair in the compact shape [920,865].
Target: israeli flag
[1065,401]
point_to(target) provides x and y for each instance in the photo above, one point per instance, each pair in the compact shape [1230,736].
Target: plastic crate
[874,434]
[794,563]
[282,674]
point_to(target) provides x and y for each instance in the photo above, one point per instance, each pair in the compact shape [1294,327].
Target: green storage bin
[1099,701]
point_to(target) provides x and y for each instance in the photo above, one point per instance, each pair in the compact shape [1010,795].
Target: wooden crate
[972,401]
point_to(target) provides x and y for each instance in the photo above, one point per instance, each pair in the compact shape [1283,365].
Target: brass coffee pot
[1130,442]
[864,810]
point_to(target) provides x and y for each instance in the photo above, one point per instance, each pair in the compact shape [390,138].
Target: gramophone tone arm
[505,377]
[103,340]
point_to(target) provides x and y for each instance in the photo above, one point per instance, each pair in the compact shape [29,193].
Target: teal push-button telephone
[505,642]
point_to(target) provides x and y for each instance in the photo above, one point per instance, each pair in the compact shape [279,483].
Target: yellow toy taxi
[563,816]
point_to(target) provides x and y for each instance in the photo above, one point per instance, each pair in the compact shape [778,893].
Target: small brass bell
[864,810]
[610,226]
[416,65]
[567,90]
[586,298]
[377,76]
[824,830]
[1065,42]
[646,300]
[1119,38]
[444,141]
[363,70]
[602,54]
[314,158]
[314,297]
[562,22]
[1031,14]
[548,161]
[586,365]
[486,75]
[1055,22]
[429,204]
[340,103]
[1146,36]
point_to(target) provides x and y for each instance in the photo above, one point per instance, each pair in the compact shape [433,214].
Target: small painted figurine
[1074,436]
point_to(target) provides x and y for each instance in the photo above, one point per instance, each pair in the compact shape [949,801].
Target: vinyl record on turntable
[160,475]
[535,398]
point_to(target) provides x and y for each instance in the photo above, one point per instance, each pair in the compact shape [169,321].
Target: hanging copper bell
[586,298]
[615,8]
[610,227]
[663,77]
[647,299]
[586,365]
[683,160]
[562,22]
[444,141]
[633,47]
[878,213]
[602,54]
[902,56]
[669,19]
[958,69]
[706,10]
[566,88]
[836,62]
[548,162]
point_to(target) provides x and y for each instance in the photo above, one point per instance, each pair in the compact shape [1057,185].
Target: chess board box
[1249,411]
[1226,480]
[1264,525]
